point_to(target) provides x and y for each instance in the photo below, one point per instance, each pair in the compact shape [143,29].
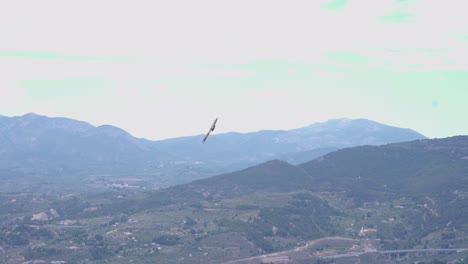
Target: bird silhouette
[213,126]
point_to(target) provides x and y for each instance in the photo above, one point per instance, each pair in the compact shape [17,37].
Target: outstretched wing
[206,136]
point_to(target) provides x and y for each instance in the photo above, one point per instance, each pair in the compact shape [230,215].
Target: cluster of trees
[168,240]
[39,252]
[305,217]
[21,234]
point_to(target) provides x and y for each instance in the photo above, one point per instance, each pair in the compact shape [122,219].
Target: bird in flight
[213,126]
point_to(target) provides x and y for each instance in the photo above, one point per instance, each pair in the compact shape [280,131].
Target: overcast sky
[162,69]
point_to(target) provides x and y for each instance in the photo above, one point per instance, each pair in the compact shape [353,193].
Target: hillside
[420,167]
[404,190]
[268,177]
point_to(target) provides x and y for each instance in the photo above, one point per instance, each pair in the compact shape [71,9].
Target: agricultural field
[161,227]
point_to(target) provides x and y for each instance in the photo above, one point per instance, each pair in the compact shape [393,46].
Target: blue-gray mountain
[295,146]
[34,146]
[41,145]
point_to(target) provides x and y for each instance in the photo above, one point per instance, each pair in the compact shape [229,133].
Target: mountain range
[295,146]
[38,146]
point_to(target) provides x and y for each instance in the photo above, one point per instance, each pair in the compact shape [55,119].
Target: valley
[121,226]
[234,132]
[401,202]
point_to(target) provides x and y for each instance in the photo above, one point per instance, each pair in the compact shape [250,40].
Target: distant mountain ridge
[358,132]
[295,146]
[41,145]
[60,147]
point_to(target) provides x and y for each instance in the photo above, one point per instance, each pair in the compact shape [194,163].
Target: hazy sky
[162,69]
